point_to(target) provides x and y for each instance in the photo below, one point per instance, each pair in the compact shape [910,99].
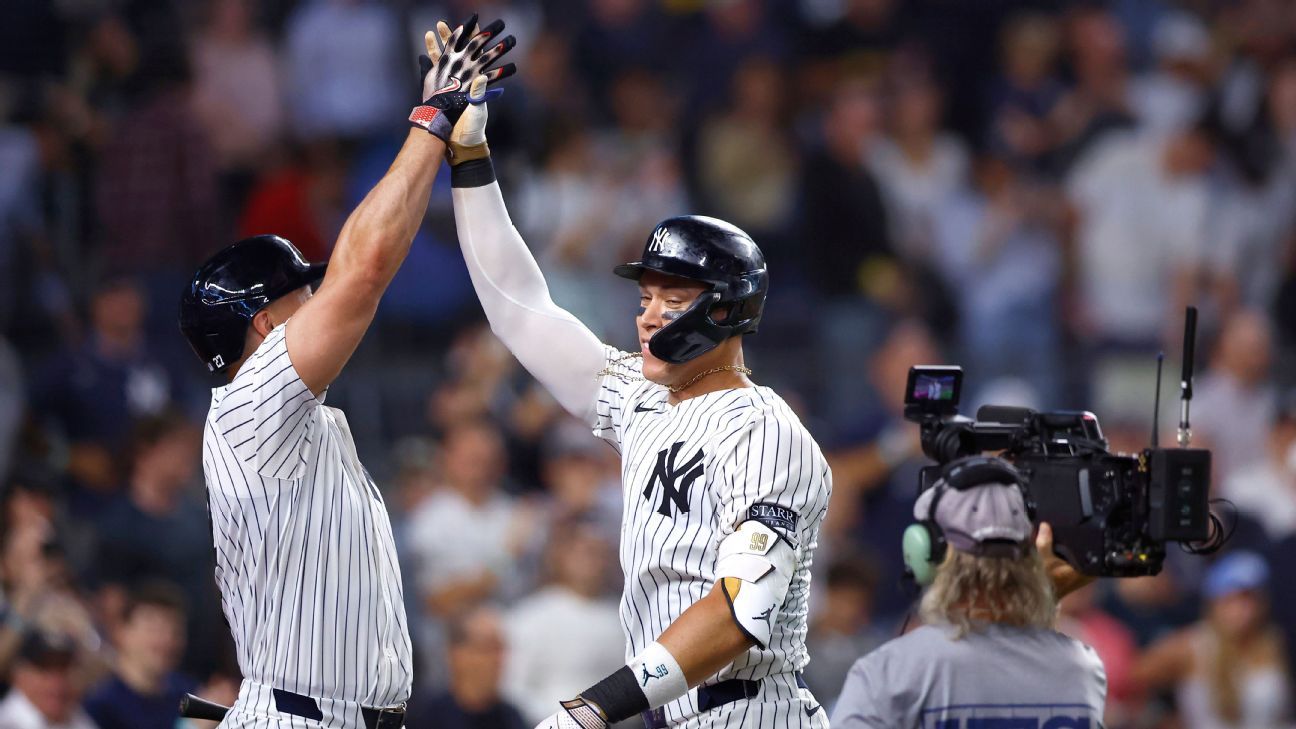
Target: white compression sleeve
[555,347]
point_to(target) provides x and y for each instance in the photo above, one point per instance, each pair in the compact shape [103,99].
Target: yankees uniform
[305,558]
[692,473]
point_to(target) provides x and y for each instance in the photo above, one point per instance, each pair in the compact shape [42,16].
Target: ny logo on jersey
[675,481]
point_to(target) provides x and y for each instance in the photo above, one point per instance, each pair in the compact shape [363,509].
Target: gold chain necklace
[613,370]
[726,368]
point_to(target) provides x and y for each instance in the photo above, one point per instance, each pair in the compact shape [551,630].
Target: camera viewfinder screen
[935,387]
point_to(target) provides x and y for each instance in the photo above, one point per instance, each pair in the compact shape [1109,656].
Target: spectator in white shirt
[1266,489]
[1234,403]
[44,694]
[918,165]
[467,537]
[567,634]
[1143,208]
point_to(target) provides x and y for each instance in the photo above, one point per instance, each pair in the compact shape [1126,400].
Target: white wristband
[659,675]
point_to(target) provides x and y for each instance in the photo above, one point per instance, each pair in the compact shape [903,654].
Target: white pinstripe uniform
[691,474]
[305,557]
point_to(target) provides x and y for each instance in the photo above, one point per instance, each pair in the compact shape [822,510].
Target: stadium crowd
[1033,189]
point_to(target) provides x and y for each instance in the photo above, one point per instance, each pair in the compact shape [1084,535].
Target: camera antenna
[1156,403]
[1185,382]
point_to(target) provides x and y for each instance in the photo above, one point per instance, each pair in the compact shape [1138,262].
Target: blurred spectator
[1150,607]
[581,477]
[160,529]
[468,536]
[566,635]
[145,688]
[1097,102]
[753,191]
[727,36]
[1022,99]
[1081,618]
[13,403]
[842,629]
[1229,668]
[156,196]
[918,164]
[844,244]
[1172,96]
[91,394]
[44,692]
[342,77]
[858,41]
[843,229]
[1143,208]
[613,35]
[563,211]
[304,201]
[1266,488]
[998,248]
[236,91]
[875,472]
[473,701]
[1233,404]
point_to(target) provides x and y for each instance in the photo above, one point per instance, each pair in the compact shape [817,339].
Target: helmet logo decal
[658,239]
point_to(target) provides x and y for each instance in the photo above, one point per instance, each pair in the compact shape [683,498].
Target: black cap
[47,649]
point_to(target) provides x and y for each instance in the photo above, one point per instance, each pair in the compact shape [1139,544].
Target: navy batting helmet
[231,287]
[715,253]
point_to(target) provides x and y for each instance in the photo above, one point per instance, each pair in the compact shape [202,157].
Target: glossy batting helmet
[715,253]
[231,287]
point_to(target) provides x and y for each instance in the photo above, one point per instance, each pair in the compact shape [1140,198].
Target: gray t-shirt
[1023,678]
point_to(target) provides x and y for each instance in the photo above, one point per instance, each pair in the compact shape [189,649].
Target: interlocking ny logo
[670,475]
[658,240]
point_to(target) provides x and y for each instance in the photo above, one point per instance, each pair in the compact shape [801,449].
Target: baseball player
[723,489]
[305,558]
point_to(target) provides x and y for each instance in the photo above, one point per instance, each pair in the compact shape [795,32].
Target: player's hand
[1065,578]
[454,58]
[575,714]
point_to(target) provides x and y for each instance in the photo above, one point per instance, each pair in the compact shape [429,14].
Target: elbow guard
[755,568]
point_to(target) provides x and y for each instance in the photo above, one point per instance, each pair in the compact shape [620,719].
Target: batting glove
[576,714]
[468,138]
[453,57]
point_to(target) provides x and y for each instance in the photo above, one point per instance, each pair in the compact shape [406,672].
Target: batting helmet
[231,287]
[713,252]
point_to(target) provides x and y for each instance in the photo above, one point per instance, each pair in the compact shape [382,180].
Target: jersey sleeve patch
[779,518]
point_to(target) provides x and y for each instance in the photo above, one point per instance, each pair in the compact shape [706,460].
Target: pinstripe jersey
[305,558]
[691,474]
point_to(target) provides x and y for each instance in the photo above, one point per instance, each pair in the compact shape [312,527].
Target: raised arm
[324,333]
[558,350]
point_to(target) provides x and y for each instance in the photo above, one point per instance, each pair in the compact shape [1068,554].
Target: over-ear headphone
[923,544]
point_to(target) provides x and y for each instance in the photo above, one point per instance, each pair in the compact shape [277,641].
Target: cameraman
[987,650]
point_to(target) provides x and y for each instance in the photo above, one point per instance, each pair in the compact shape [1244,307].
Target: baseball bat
[196,707]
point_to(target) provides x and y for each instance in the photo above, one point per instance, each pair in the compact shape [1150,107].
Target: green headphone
[923,543]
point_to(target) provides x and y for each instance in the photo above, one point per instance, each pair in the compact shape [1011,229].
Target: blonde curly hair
[970,592]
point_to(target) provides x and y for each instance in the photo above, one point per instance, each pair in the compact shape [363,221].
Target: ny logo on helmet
[658,239]
[675,480]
